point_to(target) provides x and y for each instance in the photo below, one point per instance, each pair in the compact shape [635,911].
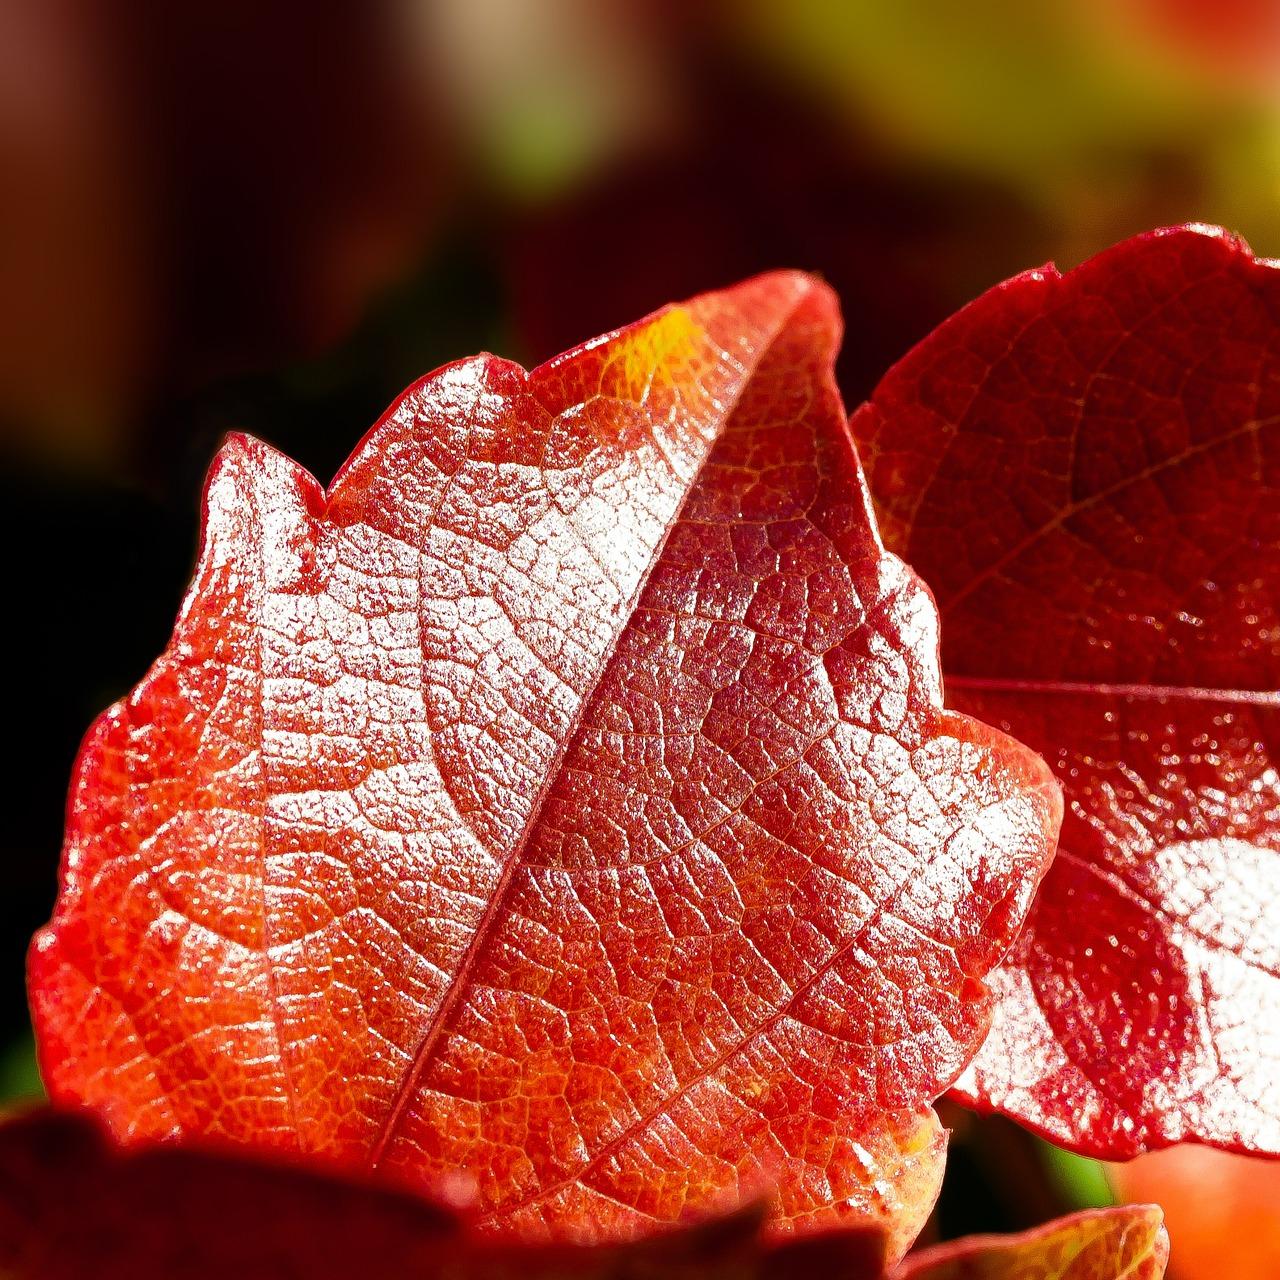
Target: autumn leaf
[563,799]
[72,1205]
[1086,470]
[1219,1206]
[1100,1244]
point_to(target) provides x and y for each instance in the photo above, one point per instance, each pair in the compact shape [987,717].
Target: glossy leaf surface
[1086,470]
[563,798]
[1101,1244]
[71,1206]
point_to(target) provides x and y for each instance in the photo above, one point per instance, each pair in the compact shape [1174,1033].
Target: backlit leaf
[1100,1244]
[1086,471]
[562,799]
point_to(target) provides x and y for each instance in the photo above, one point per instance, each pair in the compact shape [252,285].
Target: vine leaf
[1219,1208]
[563,797]
[72,1204]
[1099,1244]
[1086,470]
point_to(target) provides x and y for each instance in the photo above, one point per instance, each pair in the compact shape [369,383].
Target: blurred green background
[274,215]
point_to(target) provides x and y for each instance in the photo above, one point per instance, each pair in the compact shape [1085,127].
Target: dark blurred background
[272,215]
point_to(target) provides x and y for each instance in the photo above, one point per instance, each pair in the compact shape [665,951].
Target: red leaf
[1220,1208]
[71,1206]
[1086,469]
[1102,1244]
[564,797]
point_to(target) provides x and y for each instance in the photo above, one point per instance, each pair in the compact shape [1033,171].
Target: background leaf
[1102,1244]
[1220,1208]
[1086,470]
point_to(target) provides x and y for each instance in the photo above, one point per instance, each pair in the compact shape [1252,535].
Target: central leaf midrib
[453,994]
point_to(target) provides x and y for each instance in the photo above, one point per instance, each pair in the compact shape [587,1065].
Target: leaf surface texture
[1086,471]
[562,797]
